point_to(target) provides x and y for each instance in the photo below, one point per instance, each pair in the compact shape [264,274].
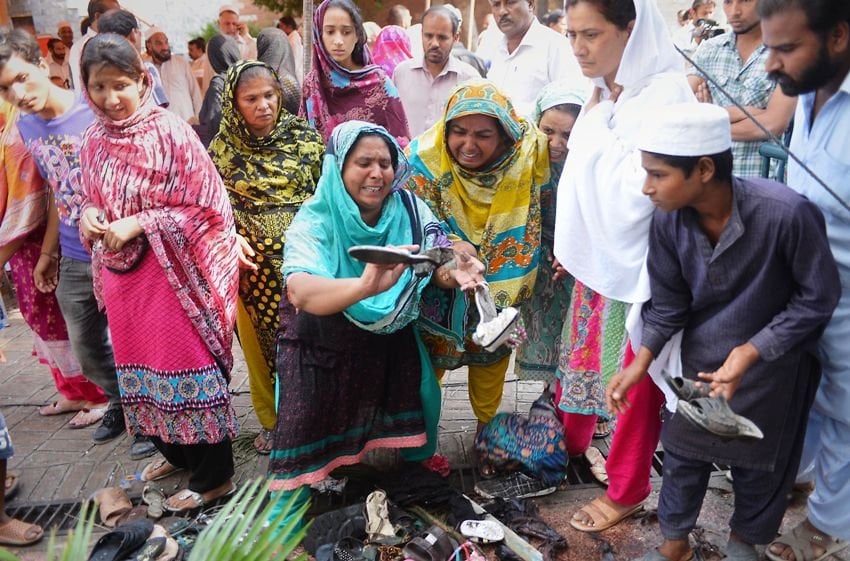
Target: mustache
[505,19]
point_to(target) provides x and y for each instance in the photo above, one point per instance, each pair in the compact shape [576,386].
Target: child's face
[113,92]
[668,187]
[557,125]
[25,85]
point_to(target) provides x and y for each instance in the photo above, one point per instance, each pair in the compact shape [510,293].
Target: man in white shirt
[181,87]
[65,32]
[287,25]
[529,55]
[425,82]
[198,54]
[96,9]
[57,63]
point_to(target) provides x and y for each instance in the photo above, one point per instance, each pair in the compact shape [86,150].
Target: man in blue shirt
[809,42]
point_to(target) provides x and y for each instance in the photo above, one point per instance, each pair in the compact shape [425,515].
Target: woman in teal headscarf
[354,375]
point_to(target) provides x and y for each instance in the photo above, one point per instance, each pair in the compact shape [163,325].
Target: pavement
[57,463]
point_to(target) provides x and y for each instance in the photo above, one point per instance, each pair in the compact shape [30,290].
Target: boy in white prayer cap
[744,269]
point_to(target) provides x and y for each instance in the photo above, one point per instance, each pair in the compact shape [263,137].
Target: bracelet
[53,257]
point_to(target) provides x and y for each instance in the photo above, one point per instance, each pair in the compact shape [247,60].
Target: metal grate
[50,515]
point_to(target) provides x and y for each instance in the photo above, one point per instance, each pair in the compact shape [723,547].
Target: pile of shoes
[137,540]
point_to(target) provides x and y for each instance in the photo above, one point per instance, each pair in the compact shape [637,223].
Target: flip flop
[603,516]
[801,539]
[197,500]
[16,532]
[597,465]
[121,541]
[381,255]
[155,499]
[266,439]
[56,409]
[715,416]
[158,469]
[87,417]
[11,486]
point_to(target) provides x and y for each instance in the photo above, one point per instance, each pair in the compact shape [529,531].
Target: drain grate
[50,515]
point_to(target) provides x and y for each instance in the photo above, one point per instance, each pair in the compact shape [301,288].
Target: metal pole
[470,29]
[307,14]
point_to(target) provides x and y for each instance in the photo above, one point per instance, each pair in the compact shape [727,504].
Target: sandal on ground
[191,500]
[686,389]
[16,532]
[263,442]
[603,428]
[433,545]
[150,550]
[87,417]
[122,541]
[155,499]
[715,416]
[158,469]
[801,539]
[112,504]
[11,486]
[330,527]
[486,469]
[739,551]
[482,531]
[61,407]
[597,465]
[603,516]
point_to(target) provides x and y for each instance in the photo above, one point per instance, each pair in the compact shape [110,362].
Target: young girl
[165,266]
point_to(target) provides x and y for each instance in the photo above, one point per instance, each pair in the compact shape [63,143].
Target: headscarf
[330,223]
[391,48]
[496,209]
[333,94]
[602,225]
[560,92]
[274,49]
[23,193]
[222,52]
[153,166]
[277,172]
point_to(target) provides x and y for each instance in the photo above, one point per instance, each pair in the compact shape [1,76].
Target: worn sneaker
[111,426]
[141,448]
[513,486]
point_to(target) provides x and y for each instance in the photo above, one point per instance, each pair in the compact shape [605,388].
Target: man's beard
[815,77]
[162,57]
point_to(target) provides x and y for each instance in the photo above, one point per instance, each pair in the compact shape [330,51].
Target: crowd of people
[578,169]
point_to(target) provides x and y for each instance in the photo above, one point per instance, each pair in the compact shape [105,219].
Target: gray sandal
[740,551]
[686,389]
[715,416]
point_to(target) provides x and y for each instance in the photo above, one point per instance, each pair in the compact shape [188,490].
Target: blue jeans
[88,329]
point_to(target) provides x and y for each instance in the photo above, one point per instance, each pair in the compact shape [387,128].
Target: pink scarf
[153,166]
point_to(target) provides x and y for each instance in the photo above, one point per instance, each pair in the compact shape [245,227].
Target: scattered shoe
[112,504]
[87,417]
[482,531]
[122,541]
[155,499]
[596,462]
[434,545]
[142,448]
[111,426]
[516,485]
[17,533]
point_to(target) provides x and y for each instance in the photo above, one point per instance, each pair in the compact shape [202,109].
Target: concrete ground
[57,463]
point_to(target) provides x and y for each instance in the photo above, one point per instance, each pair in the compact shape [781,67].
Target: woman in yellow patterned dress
[270,161]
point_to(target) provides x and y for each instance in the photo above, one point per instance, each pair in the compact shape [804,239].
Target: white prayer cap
[686,129]
[229,8]
[62,24]
[153,30]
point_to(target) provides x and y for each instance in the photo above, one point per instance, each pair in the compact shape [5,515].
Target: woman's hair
[390,147]
[552,17]
[619,12]
[359,54]
[722,163]
[110,49]
[571,108]
[258,72]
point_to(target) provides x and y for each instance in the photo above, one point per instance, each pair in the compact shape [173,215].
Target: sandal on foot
[113,504]
[87,417]
[603,429]
[433,545]
[801,539]
[741,551]
[597,465]
[158,469]
[16,532]
[655,555]
[263,442]
[61,407]
[192,500]
[11,486]
[603,516]
[715,416]
[122,541]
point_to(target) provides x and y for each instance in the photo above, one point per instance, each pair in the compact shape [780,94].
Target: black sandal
[715,416]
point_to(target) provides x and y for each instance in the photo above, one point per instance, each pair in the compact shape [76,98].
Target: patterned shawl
[391,48]
[273,48]
[153,166]
[333,94]
[23,193]
[496,209]
[330,223]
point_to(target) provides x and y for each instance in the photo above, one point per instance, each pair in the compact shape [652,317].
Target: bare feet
[62,406]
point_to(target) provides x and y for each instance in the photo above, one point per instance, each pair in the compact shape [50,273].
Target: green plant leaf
[6,555]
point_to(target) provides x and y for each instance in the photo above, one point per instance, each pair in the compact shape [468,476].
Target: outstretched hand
[469,272]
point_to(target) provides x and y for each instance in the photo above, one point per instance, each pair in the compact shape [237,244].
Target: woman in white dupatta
[602,226]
